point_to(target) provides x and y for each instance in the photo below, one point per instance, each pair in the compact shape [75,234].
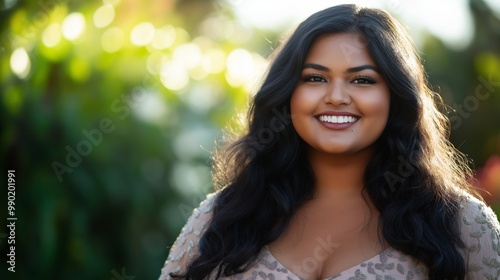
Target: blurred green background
[110,109]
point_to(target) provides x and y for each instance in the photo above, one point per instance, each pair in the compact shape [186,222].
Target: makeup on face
[341,103]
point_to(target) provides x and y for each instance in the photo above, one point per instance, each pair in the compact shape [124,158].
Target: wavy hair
[414,178]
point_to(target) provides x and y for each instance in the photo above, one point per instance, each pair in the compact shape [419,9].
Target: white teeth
[337,119]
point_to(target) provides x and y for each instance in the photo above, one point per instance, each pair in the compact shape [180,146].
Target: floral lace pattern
[480,230]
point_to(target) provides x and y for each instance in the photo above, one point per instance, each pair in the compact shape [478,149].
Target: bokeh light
[154,62]
[73,26]
[151,108]
[7,4]
[164,37]
[142,34]
[112,39]
[203,98]
[104,16]
[20,63]
[188,179]
[245,69]
[181,36]
[173,75]
[51,36]
[188,54]
[239,67]
[214,61]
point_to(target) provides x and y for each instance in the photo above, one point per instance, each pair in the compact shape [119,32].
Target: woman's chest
[323,240]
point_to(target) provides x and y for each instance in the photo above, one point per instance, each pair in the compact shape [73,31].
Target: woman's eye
[363,81]
[314,79]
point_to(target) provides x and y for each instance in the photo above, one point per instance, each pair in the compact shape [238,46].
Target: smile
[338,119]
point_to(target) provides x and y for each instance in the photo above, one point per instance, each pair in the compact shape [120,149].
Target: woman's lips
[337,121]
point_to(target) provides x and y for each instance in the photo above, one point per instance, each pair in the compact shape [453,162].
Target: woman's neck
[339,174]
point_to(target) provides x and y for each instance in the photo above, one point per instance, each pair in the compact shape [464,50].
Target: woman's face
[341,103]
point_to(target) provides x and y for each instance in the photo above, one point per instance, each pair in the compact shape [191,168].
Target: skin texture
[338,213]
[334,89]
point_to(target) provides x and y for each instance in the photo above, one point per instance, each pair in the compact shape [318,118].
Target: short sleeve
[185,248]
[480,231]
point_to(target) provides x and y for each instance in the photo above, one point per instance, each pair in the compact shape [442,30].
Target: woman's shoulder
[185,248]
[475,212]
[200,216]
[206,206]
[480,232]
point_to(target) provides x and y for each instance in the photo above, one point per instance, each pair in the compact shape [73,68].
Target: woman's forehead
[348,48]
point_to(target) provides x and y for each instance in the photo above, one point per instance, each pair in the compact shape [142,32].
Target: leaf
[400,268]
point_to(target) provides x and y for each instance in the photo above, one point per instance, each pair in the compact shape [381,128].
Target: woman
[345,171]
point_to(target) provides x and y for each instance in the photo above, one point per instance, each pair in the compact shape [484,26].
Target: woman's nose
[337,94]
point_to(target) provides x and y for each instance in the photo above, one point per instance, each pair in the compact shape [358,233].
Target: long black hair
[414,178]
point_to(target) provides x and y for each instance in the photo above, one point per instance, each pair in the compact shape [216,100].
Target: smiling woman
[324,196]
[341,103]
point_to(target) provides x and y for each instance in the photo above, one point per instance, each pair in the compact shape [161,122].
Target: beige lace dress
[480,231]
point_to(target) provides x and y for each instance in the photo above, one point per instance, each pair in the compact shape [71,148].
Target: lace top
[480,231]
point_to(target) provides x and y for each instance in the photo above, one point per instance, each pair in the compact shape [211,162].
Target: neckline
[266,248]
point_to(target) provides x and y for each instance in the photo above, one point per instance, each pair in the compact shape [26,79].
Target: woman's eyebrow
[349,70]
[316,66]
[361,68]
